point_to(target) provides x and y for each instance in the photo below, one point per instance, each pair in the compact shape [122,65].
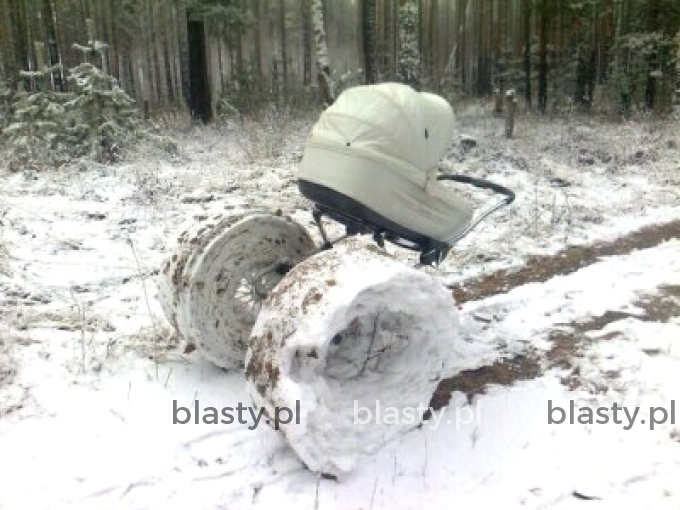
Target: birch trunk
[323,64]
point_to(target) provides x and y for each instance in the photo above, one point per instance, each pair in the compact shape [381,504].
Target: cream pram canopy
[379,146]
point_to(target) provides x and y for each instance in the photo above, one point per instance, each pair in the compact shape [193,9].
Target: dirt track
[569,260]
[566,345]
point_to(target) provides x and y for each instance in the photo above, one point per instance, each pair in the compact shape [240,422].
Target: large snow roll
[345,329]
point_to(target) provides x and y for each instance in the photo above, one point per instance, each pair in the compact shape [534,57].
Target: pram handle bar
[480,183]
[486,212]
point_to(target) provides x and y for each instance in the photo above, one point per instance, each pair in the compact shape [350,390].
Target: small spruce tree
[102,118]
[33,130]
[95,120]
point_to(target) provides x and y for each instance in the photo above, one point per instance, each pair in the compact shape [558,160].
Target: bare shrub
[265,135]
[269,133]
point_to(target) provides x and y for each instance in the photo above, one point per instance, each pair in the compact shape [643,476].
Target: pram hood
[379,146]
[389,123]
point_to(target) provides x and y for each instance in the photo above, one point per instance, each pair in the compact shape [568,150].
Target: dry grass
[157,343]
[4,253]
[12,394]
[4,250]
[266,135]
[7,368]
[68,319]
[7,364]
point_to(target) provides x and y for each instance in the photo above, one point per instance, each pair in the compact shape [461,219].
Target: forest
[217,56]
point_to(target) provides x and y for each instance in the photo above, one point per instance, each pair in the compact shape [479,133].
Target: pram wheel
[214,284]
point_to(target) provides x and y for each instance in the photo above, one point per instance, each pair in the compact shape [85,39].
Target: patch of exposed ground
[541,268]
[568,344]
[473,382]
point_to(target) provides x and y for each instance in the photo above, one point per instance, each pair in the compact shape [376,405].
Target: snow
[87,418]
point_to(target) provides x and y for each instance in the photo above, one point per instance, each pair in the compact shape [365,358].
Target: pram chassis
[358,218]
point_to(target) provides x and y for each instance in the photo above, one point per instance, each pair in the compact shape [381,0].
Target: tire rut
[541,268]
[566,345]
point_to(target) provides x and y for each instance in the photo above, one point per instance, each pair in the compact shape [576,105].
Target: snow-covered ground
[86,421]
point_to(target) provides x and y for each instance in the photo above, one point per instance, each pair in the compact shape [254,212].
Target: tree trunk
[183,40]
[284,45]
[158,24]
[199,96]
[387,50]
[20,39]
[433,74]
[305,5]
[676,82]
[4,43]
[510,115]
[326,84]
[368,28]
[543,61]
[258,63]
[168,49]
[619,71]
[527,51]
[52,47]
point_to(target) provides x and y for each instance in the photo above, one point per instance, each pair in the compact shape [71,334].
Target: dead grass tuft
[7,364]
[4,250]
[157,343]
[266,135]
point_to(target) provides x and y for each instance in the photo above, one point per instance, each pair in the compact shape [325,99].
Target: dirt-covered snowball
[348,328]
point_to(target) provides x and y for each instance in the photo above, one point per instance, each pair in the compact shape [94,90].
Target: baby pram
[371,163]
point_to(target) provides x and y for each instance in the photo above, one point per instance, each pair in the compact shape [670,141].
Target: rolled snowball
[350,328]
